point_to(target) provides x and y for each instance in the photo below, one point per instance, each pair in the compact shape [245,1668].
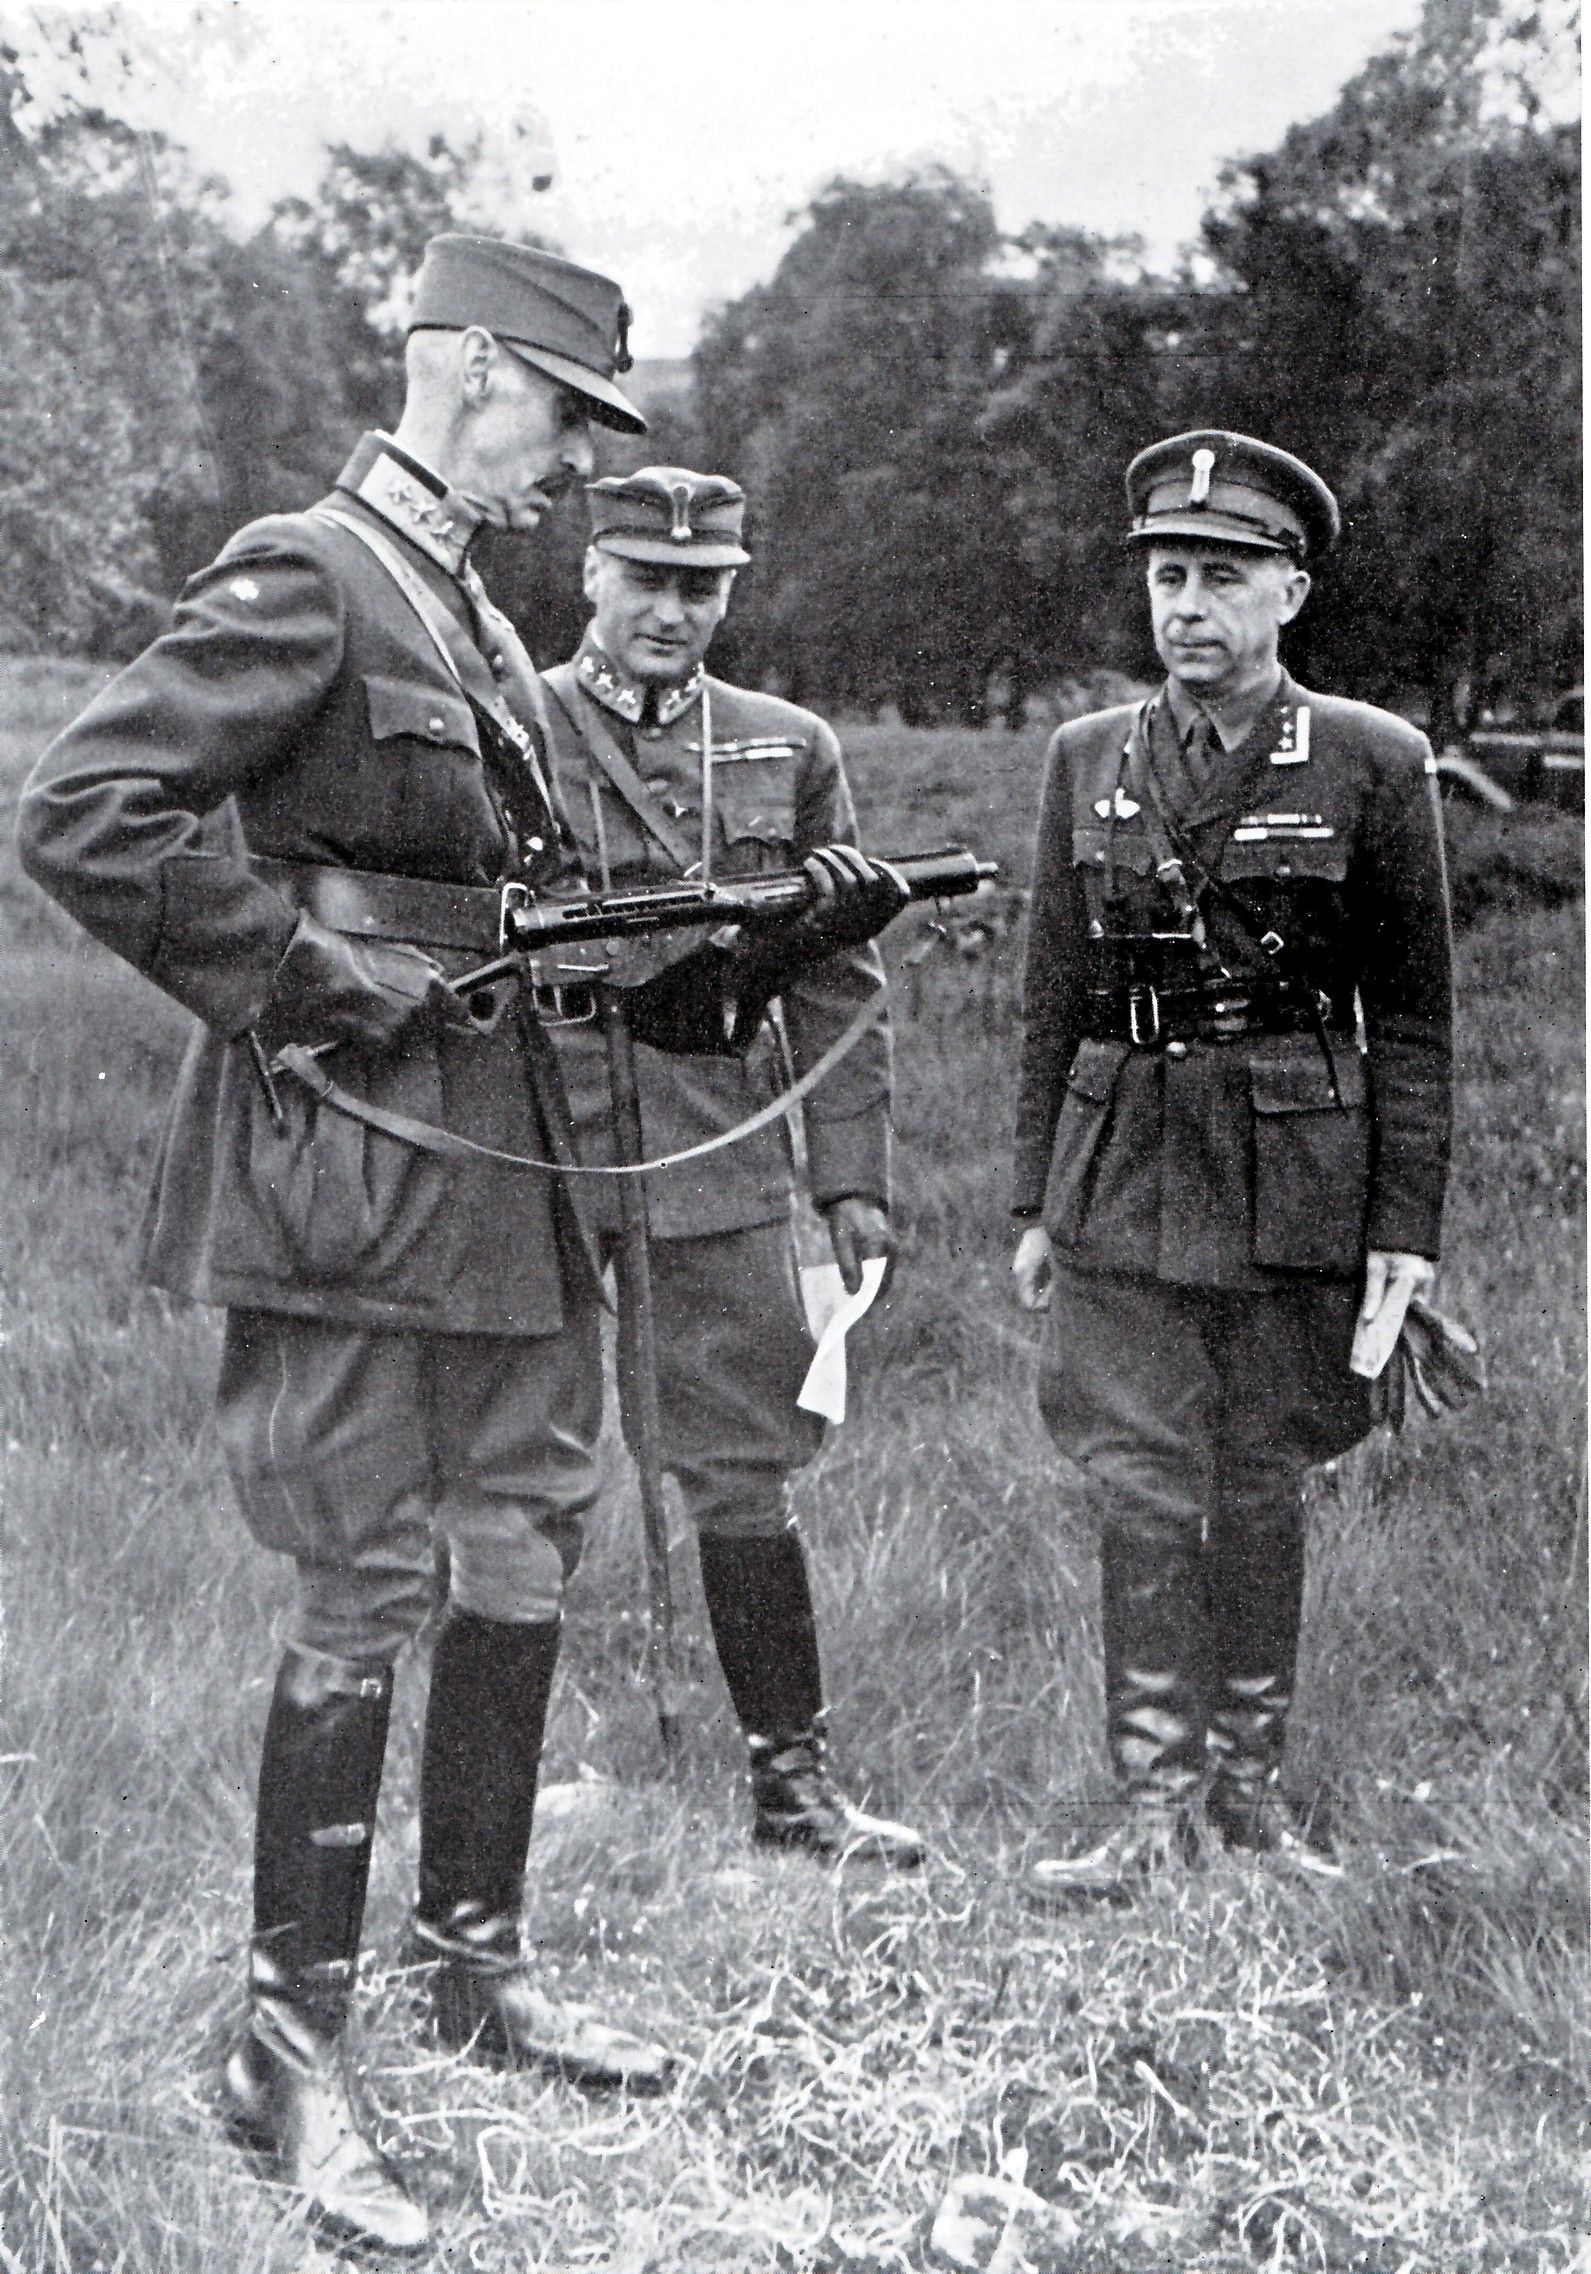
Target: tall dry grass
[1380,2073]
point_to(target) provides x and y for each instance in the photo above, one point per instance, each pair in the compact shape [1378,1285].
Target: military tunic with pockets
[1211,1196]
[733,1338]
[409,1340]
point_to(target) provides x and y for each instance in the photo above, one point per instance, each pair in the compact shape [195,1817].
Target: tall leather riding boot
[286,2085]
[1155,1648]
[1254,1584]
[490,1686]
[759,1602]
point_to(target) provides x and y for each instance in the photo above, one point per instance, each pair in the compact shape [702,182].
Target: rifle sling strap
[447,1145]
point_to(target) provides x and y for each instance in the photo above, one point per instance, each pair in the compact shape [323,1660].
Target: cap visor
[608,406]
[1214,528]
[704,553]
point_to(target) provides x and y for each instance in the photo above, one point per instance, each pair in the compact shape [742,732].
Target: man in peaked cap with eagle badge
[670,772]
[1232,1136]
[299,812]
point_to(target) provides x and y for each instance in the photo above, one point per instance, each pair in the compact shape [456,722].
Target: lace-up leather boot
[799,1805]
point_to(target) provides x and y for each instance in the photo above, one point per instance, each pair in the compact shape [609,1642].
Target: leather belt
[368,904]
[1149,1017]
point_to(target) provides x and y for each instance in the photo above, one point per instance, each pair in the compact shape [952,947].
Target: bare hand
[858,1230]
[1032,1269]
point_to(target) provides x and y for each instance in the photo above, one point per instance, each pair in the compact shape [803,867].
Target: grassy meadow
[1383,2074]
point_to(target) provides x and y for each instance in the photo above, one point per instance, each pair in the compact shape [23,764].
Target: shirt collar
[1232,722]
[606,684]
[416,501]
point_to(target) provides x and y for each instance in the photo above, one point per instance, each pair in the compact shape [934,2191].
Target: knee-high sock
[759,1600]
[484,1722]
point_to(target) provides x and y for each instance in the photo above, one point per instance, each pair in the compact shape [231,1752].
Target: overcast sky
[681,134]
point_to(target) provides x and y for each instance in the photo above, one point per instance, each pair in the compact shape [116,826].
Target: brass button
[436,726]
[1176,1050]
[537,844]
[1284,868]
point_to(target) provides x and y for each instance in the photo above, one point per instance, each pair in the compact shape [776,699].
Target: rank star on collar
[439,521]
[607,685]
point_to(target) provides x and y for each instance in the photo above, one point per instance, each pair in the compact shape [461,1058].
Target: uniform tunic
[299,709]
[1178,1180]
[733,1340]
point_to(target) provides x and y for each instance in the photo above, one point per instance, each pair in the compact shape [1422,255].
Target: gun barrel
[948,874]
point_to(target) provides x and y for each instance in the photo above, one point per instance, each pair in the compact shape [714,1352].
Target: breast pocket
[755,803]
[1287,860]
[1311,1158]
[429,789]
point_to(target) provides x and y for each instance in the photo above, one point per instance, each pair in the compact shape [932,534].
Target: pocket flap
[428,714]
[1094,1069]
[1092,848]
[1302,1084]
[758,800]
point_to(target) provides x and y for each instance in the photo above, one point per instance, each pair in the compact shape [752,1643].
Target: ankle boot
[759,1602]
[490,1685]
[286,2085]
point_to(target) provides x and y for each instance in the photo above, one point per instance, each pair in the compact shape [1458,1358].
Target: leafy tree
[1403,311]
[846,394]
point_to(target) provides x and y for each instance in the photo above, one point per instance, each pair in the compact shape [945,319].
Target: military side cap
[1230,490]
[566,320]
[667,513]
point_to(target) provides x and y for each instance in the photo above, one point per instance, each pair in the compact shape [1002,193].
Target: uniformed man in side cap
[1233,1131]
[669,772]
[298,812]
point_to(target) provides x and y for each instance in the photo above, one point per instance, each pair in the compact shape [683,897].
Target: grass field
[1380,2074]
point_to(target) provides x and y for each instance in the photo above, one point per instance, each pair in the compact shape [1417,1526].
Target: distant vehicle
[1545,762]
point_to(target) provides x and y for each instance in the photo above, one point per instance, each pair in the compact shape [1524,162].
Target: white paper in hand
[832,1313]
[1375,1338]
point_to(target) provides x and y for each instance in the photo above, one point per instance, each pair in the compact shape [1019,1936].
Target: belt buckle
[515,899]
[1136,999]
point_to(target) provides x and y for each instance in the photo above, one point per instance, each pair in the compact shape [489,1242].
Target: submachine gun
[768,908]
[722,1004]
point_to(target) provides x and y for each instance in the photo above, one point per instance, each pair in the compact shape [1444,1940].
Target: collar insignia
[440,526]
[1292,748]
[607,685]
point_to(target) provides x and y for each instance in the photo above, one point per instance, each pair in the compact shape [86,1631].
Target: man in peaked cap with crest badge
[298,813]
[669,772]
[1232,1136]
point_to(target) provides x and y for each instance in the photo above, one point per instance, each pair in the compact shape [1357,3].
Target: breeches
[1195,1413]
[350,1449]
[733,1347]
[1181,1401]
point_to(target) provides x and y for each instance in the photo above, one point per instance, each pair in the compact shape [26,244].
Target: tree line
[931,417]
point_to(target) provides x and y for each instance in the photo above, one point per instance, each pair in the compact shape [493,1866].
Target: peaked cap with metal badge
[565,320]
[668,515]
[1230,490]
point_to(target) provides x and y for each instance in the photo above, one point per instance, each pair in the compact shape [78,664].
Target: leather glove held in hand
[858,896]
[329,988]
[1436,1358]
[711,1003]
